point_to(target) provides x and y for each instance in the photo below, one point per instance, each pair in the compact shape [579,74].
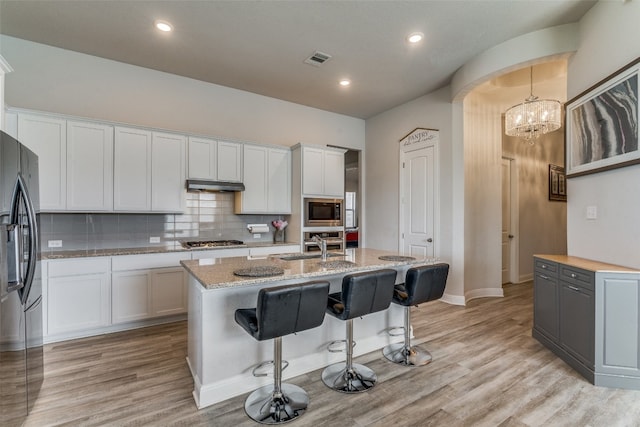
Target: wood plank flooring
[487,371]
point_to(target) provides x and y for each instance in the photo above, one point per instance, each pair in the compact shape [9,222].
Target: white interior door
[417,201]
[507,235]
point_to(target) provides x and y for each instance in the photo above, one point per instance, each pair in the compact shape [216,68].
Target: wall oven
[335,240]
[323,212]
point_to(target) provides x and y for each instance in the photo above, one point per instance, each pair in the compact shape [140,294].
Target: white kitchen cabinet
[78,296]
[89,172]
[203,155]
[229,159]
[132,170]
[274,250]
[267,181]
[47,137]
[214,160]
[322,171]
[149,171]
[219,253]
[148,286]
[168,172]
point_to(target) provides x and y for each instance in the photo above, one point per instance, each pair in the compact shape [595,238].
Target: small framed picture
[557,184]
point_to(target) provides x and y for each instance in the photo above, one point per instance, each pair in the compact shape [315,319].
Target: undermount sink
[306,256]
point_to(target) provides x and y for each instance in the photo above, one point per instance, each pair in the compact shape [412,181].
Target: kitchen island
[221,356]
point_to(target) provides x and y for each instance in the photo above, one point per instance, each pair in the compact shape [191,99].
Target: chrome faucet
[322,244]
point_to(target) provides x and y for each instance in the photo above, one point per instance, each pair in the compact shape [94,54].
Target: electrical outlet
[154,240]
[54,243]
[592,212]
[257,235]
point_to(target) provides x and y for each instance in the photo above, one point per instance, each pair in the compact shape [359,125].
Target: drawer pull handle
[543,277]
[574,275]
[573,288]
[544,266]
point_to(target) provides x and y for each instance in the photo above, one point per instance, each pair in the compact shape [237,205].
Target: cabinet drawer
[146,261]
[544,266]
[577,277]
[75,267]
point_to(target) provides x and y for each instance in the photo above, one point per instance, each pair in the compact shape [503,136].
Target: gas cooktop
[200,244]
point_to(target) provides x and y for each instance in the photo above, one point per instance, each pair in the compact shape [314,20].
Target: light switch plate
[154,240]
[257,235]
[592,212]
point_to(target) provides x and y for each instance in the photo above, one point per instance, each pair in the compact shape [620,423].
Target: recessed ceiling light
[163,26]
[345,82]
[415,37]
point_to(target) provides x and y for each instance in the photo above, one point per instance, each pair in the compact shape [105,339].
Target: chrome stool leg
[278,403]
[349,377]
[403,353]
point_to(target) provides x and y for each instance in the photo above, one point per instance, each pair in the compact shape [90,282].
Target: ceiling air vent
[317,59]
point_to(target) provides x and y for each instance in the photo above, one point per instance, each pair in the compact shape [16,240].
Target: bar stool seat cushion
[284,310]
[362,293]
[422,284]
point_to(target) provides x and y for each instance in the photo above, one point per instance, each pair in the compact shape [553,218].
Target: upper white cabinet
[47,137]
[132,170]
[167,172]
[322,171]
[215,160]
[267,181]
[229,161]
[149,171]
[89,166]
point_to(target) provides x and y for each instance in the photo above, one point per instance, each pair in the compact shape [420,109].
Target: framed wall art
[557,184]
[602,124]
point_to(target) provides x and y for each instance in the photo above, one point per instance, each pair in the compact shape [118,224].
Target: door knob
[511,236]
[429,240]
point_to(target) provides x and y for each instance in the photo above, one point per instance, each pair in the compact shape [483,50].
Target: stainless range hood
[197,185]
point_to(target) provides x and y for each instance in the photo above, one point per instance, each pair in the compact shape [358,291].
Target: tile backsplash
[207,216]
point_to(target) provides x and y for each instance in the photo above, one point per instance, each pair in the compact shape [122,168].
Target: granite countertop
[177,247]
[219,273]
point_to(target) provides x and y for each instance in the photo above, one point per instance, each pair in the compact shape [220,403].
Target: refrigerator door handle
[20,192]
[14,262]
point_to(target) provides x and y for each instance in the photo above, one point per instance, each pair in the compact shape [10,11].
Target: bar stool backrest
[283,310]
[367,292]
[425,283]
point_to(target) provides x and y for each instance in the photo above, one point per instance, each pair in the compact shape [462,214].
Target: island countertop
[219,272]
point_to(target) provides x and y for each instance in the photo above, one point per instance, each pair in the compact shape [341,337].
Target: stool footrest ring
[396,331]
[255,370]
[338,346]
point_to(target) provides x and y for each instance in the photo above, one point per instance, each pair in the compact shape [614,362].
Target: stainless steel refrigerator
[21,361]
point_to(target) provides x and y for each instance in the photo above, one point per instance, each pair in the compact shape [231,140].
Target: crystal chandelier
[533,117]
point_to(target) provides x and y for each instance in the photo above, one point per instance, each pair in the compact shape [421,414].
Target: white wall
[608,41]
[56,80]
[382,174]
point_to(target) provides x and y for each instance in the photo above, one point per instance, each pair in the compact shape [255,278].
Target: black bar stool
[422,284]
[362,293]
[280,311]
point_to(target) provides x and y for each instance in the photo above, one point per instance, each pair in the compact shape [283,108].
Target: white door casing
[510,269]
[419,197]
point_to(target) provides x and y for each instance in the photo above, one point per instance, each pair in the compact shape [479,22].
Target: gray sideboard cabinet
[588,314]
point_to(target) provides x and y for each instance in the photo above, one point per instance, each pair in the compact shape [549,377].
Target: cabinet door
[229,161]
[545,304]
[577,322]
[312,171]
[89,167]
[334,174]
[132,170]
[47,137]
[131,296]
[168,291]
[279,178]
[203,155]
[77,303]
[254,198]
[167,172]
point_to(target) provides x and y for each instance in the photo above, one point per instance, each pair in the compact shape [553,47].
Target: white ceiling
[260,46]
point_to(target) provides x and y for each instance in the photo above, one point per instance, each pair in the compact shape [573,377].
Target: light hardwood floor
[487,371]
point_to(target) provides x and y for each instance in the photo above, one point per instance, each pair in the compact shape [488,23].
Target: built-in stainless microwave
[323,212]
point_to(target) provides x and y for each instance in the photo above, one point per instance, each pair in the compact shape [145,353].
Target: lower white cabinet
[143,294]
[78,295]
[148,286]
